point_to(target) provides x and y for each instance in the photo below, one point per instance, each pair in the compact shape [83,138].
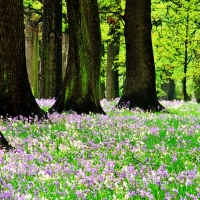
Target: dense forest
[175,36]
[81,52]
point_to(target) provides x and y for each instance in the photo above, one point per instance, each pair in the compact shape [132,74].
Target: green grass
[123,155]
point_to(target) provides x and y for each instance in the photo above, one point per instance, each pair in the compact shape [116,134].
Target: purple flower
[48,172]
[171,130]
[162,171]
[155,131]
[188,182]
[167,195]
[131,193]
[79,194]
[174,158]
[6,195]
[192,173]
[57,183]
[175,190]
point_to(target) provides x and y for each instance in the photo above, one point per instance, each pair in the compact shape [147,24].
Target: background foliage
[175,24]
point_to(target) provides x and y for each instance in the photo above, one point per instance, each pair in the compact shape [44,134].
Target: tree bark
[80,89]
[197,89]
[112,83]
[51,61]
[32,50]
[102,91]
[65,49]
[4,143]
[169,89]
[16,98]
[140,86]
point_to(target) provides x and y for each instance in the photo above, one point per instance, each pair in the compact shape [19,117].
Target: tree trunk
[80,89]
[32,50]
[169,89]
[4,143]
[51,61]
[102,91]
[65,49]
[16,97]
[112,83]
[140,86]
[197,89]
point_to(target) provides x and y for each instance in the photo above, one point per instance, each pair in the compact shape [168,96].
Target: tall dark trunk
[140,86]
[51,61]
[112,83]
[80,89]
[197,89]
[102,91]
[16,97]
[169,89]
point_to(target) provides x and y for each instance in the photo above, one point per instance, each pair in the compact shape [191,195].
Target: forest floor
[122,155]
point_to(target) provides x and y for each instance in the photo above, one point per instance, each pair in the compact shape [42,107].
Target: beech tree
[140,85]
[32,48]
[80,89]
[112,82]
[16,97]
[51,60]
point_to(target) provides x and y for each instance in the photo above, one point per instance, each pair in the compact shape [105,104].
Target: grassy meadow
[122,155]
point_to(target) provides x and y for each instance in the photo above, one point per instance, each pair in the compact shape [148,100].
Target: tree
[4,143]
[169,89]
[176,43]
[112,83]
[140,86]
[51,61]
[32,48]
[65,48]
[80,89]
[16,97]
[197,89]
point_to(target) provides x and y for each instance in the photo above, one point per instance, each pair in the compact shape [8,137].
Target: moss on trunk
[80,90]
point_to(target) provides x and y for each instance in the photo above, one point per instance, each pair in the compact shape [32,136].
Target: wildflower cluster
[122,155]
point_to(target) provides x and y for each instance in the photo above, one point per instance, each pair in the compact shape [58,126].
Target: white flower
[22,196]
[170,179]
[77,144]
[64,148]
[43,175]
[125,185]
